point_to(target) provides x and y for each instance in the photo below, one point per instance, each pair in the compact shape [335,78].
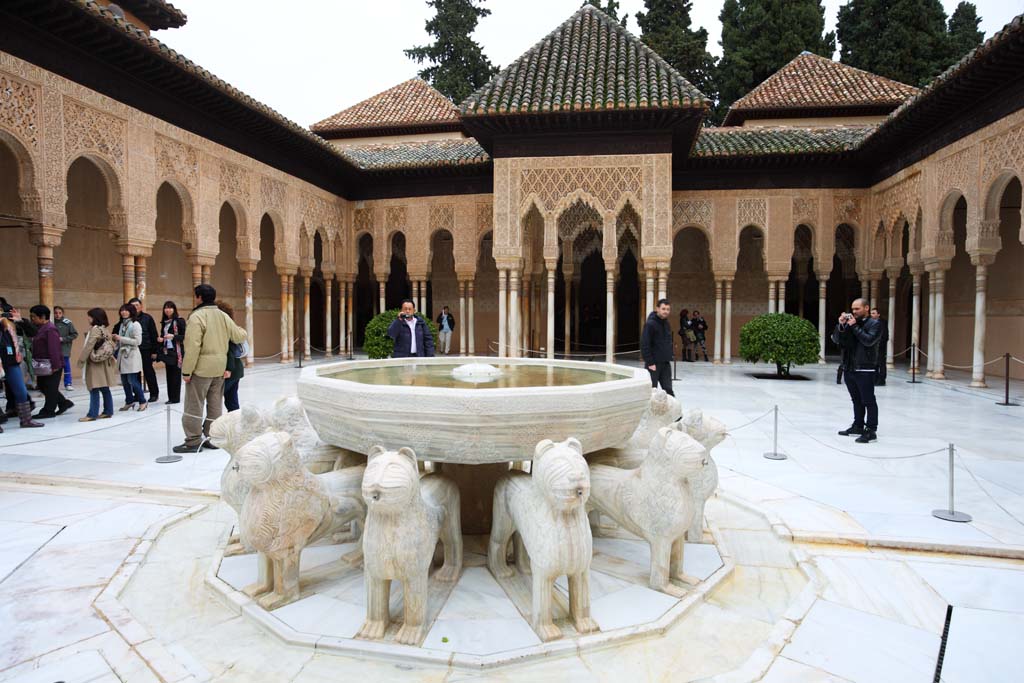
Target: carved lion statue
[287,508]
[654,501]
[406,516]
[710,432]
[547,510]
[662,411]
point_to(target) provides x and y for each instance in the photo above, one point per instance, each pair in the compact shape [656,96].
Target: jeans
[231,394]
[67,372]
[50,386]
[132,388]
[444,341]
[94,402]
[662,375]
[15,383]
[861,386]
[201,392]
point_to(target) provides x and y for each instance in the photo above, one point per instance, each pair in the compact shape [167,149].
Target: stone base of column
[979,384]
[716,362]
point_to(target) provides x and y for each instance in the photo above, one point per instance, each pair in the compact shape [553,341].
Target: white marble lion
[547,510]
[662,411]
[406,516]
[287,508]
[654,501]
[710,432]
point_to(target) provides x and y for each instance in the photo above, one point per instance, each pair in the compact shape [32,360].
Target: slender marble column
[472,322]
[502,313]
[939,371]
[650,291]
[931,324]
[782,297]
[197,275]
[140,278]
[822,297]
[513,310]
[284,319]
[551,313]
[329,333]
[718,323]
[383,303]
[609,329]
[980,282]
[249,325]
[128,273]
[727,353]
[45,239]
[291,317]
[567,321]
[306,346]
[915,321]
[890,350]
[207,275]
[462,317]
[342,316]
[662,284]
[351,337]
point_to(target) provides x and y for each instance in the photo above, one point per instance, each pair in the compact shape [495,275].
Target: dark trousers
[880,374]
[50,386]
[132,389]
[231,394]
[662,374]
[94,401]
[861,386]
[150,375]
[173,382]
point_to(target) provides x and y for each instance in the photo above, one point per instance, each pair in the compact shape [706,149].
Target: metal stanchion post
[1006,380]
[168,456]
[913,365]
[951,515]
[774,453]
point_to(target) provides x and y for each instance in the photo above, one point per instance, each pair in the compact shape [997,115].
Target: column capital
[983,257]
[286,271]
[935,265]
[305,271]
[45,235]
[247,266]
[134,247]
[893,274]
[724,276]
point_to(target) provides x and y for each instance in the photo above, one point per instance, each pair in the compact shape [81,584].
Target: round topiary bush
[377,343]
[779,338]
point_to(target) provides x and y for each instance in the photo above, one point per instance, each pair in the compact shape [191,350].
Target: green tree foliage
[964,34]
[666,29]
[904,40]
[779,338]
[377,343]
[609,7]
[760,36]
[458,65]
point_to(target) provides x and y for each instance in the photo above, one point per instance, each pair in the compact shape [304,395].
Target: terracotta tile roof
[734,141]
[411,104]
[157,14]
[589,63]
[813,82]
[416,155]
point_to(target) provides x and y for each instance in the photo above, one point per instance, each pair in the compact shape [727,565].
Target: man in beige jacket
[204,359]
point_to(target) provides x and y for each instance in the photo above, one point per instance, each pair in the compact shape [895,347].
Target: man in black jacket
[148,348]
[858,334]
[410,332]
[656,346]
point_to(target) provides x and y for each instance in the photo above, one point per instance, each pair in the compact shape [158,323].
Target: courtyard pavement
[79,502]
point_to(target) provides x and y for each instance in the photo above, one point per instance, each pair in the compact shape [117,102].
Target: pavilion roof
[413,105]
[815,83]
[157,14]
[589,63]
[416,155]
[734,141]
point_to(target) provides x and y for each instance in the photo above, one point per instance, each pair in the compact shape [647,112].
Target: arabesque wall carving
[90,130]
[19,109]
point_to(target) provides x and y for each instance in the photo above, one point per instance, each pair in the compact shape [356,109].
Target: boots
[851,430]
[25,413]
[868,436]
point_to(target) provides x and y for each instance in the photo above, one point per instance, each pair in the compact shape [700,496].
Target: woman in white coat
[128,335]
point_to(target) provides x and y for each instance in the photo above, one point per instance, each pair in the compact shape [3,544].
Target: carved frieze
[752,211]
[607,184]
[805,210]
[442,217]
[90,130]
[19,109]
[178,161]
[234,182]
[692,212]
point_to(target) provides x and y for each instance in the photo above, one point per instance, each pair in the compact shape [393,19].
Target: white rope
[860,455]
[963,464]
[77,434]
[729,430]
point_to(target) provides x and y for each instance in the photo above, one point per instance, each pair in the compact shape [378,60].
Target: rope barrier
[859,455]
[77,434]
[729,430]
[543,354]
[986,492]
[1014,358]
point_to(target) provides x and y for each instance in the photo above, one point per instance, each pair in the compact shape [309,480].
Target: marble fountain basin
[474,416]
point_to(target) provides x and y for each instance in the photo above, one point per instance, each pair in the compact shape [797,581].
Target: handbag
[691,336]
[41,367]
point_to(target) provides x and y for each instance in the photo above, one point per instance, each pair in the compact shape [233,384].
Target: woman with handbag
[10,357]
[48,363]
[172,340]
[99,359]
[128,335]
[687,336]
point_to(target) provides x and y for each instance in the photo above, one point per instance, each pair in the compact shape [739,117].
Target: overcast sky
[311,58]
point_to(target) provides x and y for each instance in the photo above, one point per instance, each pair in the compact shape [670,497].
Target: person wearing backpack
[100,365]
[236,366]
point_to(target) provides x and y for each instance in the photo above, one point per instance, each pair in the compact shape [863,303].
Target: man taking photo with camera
[857,334]
[410,333]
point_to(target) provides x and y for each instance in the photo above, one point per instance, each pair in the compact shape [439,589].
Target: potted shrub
[779,338]
[377,343]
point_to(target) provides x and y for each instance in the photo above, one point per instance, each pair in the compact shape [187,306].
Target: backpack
[102,350]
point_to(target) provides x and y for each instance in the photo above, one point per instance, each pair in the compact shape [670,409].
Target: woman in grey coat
[128,335]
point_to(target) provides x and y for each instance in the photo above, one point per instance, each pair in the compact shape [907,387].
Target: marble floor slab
[983,645]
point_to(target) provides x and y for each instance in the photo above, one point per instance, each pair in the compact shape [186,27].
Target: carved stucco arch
[28,189]
[994,193]
[280,248]
[117,219]
[189,231]
[243,236]
[764,246]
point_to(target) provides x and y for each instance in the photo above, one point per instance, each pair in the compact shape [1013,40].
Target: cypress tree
[760,36]
[904,40]
[964,34]
[458,65]
[609,7]
[666,29]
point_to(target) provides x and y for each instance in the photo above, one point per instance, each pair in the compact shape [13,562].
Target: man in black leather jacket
[858,335]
